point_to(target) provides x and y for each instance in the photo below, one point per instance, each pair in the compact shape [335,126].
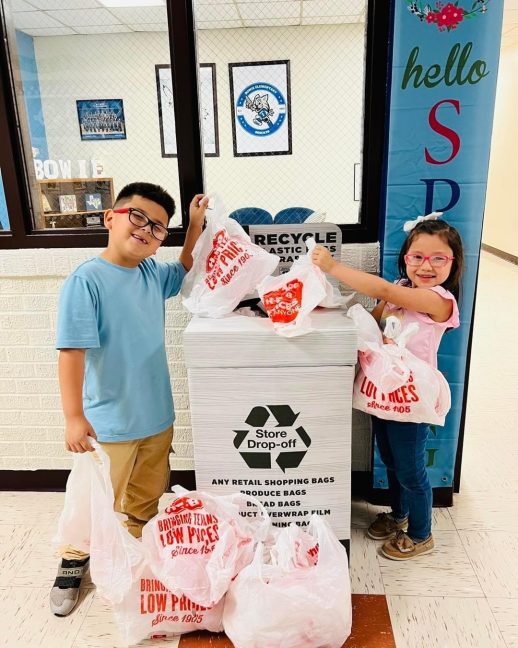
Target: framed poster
[101,119]
[93,202]
[208,108]
[261,112]
[67,203]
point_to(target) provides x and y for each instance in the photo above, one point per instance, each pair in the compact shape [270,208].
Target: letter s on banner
[443,130]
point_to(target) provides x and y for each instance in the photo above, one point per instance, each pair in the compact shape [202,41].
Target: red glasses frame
[427,258]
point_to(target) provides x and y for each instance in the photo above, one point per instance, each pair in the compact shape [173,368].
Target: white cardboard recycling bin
[271,416]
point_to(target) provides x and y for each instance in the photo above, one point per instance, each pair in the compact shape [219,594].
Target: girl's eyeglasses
[140,219]
[436,260]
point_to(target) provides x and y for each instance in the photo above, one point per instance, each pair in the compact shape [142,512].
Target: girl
[430,265]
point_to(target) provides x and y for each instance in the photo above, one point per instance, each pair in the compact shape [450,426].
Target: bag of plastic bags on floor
[391,382]
[150,611]
[201,541]
[227,266]
[290,298]
[120,565]
[300,597]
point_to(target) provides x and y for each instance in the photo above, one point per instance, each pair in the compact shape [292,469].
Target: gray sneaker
[385,526]
[65,591]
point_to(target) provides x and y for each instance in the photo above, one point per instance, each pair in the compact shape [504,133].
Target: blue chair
[292,215]
[252,216]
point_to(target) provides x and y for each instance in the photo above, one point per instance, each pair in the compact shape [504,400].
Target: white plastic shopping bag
[391,382]
[380,360]
[302,599]
[119,564]
[150,611]
[201,541]
[89,523]
[227,266]
[74,526]
[290,298]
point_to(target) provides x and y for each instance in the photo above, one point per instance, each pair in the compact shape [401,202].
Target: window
[291,79]
[97,106]
[87,93]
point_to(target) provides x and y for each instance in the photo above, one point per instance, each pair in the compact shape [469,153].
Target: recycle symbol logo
[281,421]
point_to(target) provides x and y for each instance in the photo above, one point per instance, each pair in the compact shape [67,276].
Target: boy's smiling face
[129,244]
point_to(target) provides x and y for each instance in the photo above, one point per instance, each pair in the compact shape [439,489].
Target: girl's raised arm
[421,300]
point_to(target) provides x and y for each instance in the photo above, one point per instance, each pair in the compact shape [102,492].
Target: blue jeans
[402,448]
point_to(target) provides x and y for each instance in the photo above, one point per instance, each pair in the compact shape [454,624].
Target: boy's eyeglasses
[436,261]
[140,219]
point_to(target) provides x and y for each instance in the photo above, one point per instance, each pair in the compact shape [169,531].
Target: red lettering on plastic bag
[400,400]
[156,599]
[313,554]
[183,523]
[183,504]
[224,260]
[283,305]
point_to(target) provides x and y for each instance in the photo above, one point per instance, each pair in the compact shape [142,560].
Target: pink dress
[425,343]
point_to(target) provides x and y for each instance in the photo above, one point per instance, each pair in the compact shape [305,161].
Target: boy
[113,372]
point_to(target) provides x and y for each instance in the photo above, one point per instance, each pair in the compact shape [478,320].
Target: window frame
[182,47]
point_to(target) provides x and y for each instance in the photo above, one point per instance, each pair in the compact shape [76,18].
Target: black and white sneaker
[65,591]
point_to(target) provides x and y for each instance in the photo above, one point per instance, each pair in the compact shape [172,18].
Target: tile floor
[464,595]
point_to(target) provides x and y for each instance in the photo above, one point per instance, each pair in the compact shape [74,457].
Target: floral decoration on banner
[446,16]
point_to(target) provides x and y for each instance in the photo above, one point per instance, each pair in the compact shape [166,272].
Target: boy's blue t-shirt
[118,315]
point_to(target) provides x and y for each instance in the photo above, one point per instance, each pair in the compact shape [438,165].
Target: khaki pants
[139,473]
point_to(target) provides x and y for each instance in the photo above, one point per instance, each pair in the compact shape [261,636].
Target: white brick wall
[31,422]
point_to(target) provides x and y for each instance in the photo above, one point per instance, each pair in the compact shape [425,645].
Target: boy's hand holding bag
[89,522]
[227,266]
[121,566]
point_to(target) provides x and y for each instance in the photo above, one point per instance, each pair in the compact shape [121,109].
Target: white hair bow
[409,225]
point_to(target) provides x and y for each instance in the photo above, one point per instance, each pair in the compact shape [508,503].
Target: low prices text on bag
[200,542]
[150,610]
[227,267]
[391,382]
[225,260]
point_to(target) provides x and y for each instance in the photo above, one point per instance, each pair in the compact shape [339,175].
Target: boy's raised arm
[71,367]
[197,210]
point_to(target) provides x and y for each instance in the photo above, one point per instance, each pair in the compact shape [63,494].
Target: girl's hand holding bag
[290,298]
[391,382]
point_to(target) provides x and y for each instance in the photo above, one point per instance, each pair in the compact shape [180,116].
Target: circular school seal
[261,109]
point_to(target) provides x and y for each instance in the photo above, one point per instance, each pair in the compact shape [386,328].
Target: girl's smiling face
[426,275]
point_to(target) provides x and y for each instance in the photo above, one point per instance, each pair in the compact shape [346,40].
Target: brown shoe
[384,526]
[402,547]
